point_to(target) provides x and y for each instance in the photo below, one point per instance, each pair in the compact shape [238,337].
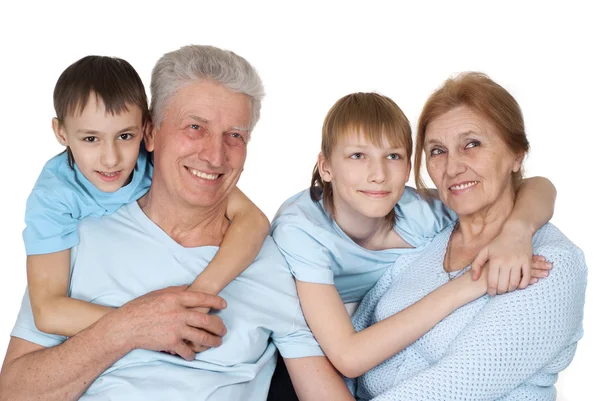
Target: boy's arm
[242,242]
[53,311]
[315,379]
[510,253]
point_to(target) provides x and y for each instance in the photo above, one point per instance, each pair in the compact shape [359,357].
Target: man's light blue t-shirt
[125,255]
[62,196]
[318,251]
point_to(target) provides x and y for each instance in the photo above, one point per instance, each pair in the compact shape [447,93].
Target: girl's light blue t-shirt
[318,251]
[62,196]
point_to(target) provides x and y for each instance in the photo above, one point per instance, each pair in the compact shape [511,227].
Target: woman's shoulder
[555,246]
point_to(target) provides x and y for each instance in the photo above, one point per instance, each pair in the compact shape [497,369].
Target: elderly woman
[510,347]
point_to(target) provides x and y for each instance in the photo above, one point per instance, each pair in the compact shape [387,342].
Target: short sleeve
[25,327]
[299,342]
[308,258]
[50,225]
[418,219]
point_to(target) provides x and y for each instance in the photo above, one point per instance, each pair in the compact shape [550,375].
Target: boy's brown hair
[110,79]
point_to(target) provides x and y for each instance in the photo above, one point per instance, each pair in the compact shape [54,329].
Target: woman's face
[468,161]
[367,180]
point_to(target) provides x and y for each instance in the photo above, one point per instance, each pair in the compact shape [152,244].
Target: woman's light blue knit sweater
[507,347]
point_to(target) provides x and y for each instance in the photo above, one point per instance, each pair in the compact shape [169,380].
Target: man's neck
[188,225]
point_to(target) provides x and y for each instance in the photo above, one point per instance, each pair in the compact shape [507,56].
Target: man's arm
[314,378]
[160,320]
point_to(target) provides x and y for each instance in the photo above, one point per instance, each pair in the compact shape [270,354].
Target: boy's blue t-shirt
[62,196]
[318,251]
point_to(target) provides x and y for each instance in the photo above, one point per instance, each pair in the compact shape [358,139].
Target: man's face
[200,145]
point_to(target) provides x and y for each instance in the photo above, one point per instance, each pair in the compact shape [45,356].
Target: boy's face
[105,147]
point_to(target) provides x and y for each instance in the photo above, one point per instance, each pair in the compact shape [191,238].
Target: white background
[309,55]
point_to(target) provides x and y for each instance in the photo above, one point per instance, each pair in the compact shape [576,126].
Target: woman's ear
[59,132]
[324,168]
[518,163]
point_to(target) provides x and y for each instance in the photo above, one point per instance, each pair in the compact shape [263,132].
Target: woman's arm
[241,244]
[53,311]
[513,337]
[510,253]
[353,353]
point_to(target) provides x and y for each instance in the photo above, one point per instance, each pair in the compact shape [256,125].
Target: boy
[101,114]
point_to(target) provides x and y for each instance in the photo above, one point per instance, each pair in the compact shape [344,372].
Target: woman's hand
[510,261]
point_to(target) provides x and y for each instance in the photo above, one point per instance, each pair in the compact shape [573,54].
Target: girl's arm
[353,353]
[53,311]
[241,244]
[509,254]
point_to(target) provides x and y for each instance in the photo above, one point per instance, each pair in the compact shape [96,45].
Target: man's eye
[356,156]
[235,139]
[195,126]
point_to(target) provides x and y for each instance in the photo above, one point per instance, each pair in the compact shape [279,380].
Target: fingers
[183,350]
[503,279]
[515,278]
[211,323]
[478,262]
[201,337]
[493,277]
[193,299]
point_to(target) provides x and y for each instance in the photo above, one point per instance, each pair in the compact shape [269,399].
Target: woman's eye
[356,156]
[394,156]
[472,144]
[90,139]
[436,151]
[125,137]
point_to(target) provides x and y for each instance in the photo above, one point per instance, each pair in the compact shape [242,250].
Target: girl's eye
[125,137]
[357,156]
[90,139]
[394,156]
[472,144]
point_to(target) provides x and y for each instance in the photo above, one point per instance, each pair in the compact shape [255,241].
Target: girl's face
[367,180]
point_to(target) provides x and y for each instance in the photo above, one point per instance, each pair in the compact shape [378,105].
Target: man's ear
[59,132]
[324,168]
[149,133]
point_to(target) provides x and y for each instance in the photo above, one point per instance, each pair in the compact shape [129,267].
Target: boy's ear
[324,168]
[149,132]
[59,132]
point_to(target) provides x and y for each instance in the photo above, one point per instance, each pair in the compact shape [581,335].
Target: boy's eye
[357,156]
[90,139]
[125,136]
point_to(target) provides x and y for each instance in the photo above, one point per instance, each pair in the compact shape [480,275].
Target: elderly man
[205,102]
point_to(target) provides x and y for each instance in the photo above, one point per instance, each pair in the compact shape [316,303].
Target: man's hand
[165,320]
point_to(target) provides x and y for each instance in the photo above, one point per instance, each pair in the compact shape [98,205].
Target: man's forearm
[63,372]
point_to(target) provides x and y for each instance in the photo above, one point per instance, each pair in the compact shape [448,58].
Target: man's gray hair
[194,63]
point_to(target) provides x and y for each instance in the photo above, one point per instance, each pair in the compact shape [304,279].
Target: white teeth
[204,175]
[109,174]
[463,186]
